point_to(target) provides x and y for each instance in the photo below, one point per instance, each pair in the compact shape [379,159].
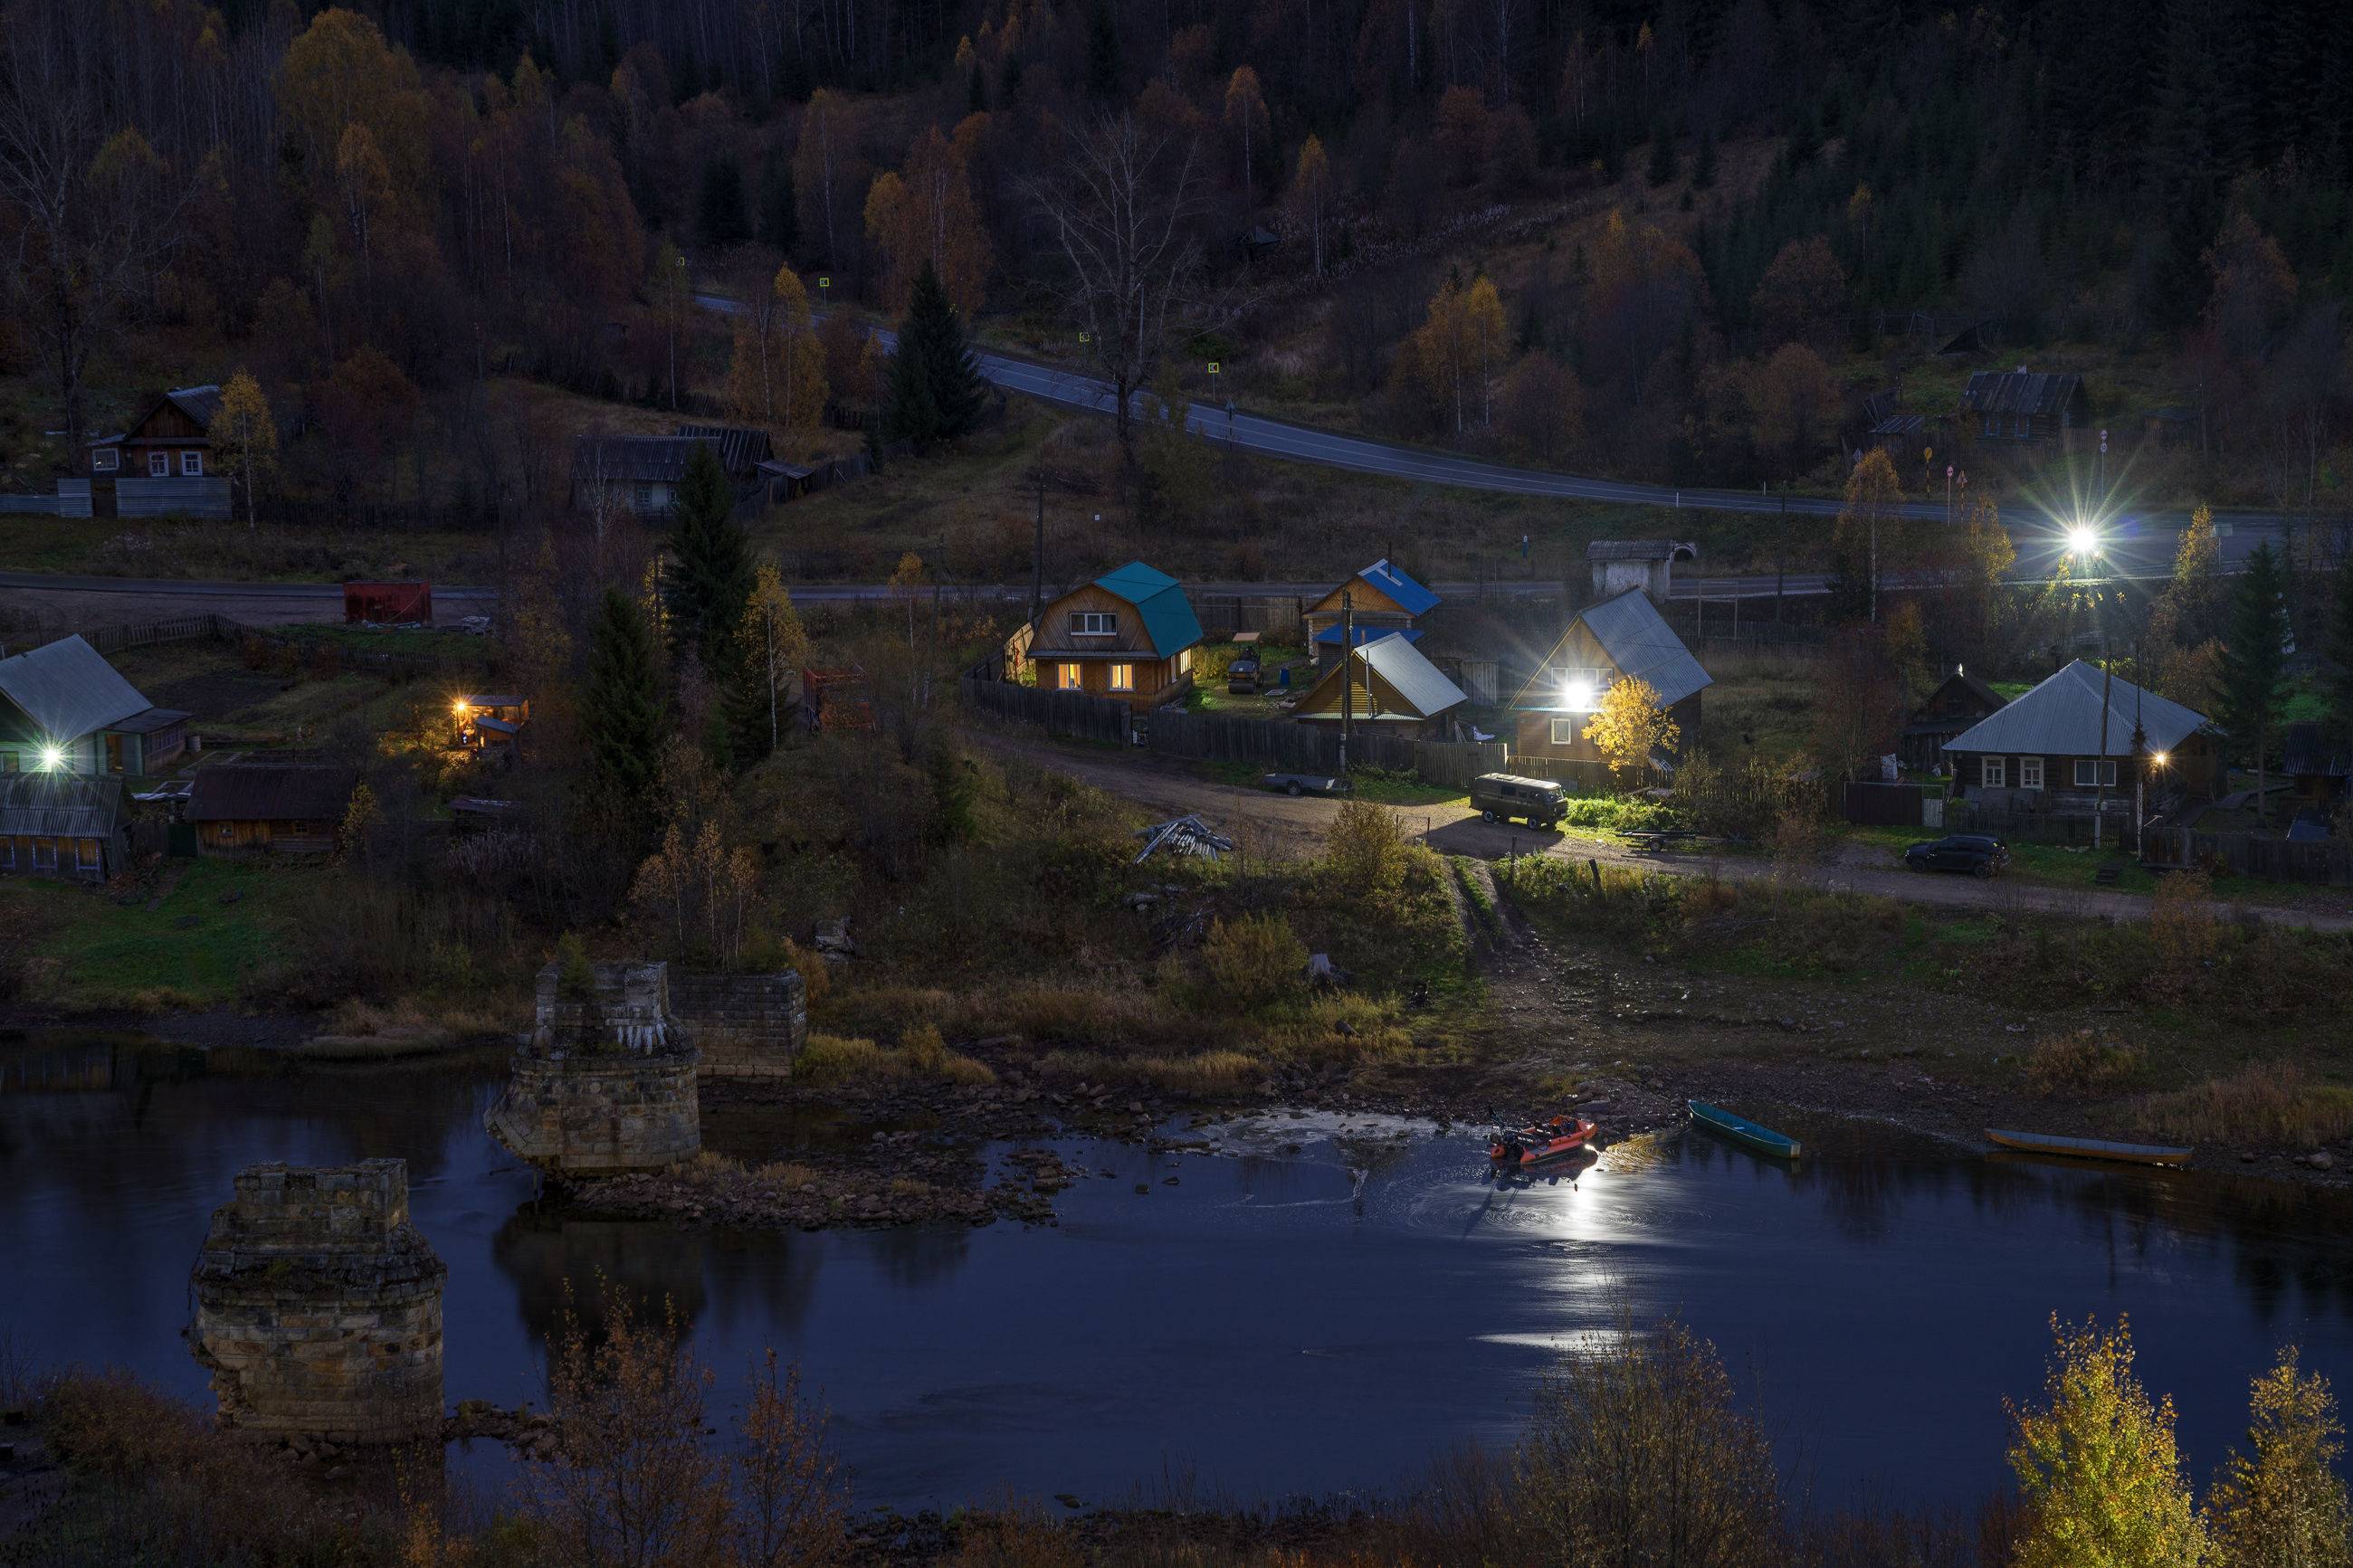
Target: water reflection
[1318,1304]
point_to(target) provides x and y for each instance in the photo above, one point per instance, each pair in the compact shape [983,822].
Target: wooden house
[1623,637]
[58,825]
[1391,690]
[63,709]
[2049,749]
[642,473]
[2021,407]
[1955,705]
[1380,600]
[1130,635]
[163,466]
[242,808]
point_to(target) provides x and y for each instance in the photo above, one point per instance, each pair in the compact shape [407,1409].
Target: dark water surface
[1320,1308]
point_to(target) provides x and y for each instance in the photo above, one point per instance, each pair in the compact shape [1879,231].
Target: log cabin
[63,709]
[1620,638]
[1959,701]
[241,809]
[1130,636]
[2047,750]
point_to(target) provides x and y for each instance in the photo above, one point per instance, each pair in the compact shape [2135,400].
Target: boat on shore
[2090,1148]
[1527,1146]
[1740,1130]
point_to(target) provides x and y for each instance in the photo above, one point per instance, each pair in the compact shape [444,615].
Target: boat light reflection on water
[1303,1304]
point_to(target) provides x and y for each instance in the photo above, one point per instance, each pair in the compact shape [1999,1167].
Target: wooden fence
[1287,748]
[117,639]
[2327,862]
[1577,772]
[1059,712]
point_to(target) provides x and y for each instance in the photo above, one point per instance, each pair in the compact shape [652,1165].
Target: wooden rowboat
[2090,1148]
[1740,1130]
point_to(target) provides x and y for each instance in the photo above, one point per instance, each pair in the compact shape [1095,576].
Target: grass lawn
[426,643]
[94,953]
[1371,784]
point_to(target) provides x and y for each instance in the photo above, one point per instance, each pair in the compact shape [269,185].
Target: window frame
[192,465]
[85,854]
[1560,740]
[1992,772]
[1070,677]
[106,459]
[2088,769]
[159,465]
[51,863]
[1123,678]
[2030,773]
[1094,623]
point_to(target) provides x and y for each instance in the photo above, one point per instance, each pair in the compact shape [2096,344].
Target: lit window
[159,465]
[1991,773]
[1072,678]
[1123,678]
[192,465]
[2095,774]
[1094,624]
[106,459]
[2030,773]
[1564,732]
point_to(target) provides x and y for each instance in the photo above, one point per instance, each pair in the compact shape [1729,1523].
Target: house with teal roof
[1129,635]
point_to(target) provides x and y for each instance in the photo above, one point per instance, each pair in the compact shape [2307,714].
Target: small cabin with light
[1130,636]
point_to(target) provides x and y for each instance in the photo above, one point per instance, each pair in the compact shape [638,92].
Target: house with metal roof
[2021,407]
[2080,732]
[2320,763]
[242,808]
[1391,689]
[1623,637]
[1958,702]
[1376,601]
[1130,635]
[63,709]
[163,466]
[60,825]
[642,473]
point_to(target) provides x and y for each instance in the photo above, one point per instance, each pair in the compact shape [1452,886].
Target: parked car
[1241,676]
[1978,854]
[1500,797]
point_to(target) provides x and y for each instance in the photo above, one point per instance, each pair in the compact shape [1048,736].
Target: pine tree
[936,388]
[780,219]
[1703,162]
[622,716]
[2254,657]
[720,215]
[1103,51]
[704,596]
[1662,151]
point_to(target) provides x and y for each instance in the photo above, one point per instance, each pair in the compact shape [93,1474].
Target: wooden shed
[245,809]
[2023,406]
[61,825]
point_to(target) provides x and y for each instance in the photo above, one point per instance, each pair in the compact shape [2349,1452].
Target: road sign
[823,281]
[1213,367]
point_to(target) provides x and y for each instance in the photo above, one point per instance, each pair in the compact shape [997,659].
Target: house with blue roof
[1130,635]
[1381,599]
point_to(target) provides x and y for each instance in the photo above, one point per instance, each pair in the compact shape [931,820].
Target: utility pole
[2100,768]
[1347,672]
[2140,760]
[1037,562]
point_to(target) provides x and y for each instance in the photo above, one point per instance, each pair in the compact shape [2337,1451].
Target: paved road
[187,587]
[2139,543]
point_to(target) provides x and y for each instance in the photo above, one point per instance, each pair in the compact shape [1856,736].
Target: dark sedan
[1980,855]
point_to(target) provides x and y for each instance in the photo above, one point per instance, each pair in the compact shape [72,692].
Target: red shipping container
[383,603]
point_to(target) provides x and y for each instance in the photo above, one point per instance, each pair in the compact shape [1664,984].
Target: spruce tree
[780,219]
[720,215]
[1103,51]
[1703,162]
[1662,151]
[621,713]
[2254,657]
[2340,653]
[705,592]
[936,388]
[976,100]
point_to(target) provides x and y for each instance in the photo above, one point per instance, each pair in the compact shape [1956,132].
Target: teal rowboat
[1740,1130]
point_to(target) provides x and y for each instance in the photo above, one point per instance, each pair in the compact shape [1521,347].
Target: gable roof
[1639,643]
[2061,717]
[1409,596]
[2019,391]
[632,459]
[2305,749]
[201,404]
[60,805]
[1974,687]
[1168,618]
[740,450]
[67,689]
[244,791]
[1392,661]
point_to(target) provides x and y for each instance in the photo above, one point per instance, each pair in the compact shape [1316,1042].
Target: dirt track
[1295,824]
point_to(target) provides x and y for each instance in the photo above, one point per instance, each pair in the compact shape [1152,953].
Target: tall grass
[922,1054]
[2267,1103]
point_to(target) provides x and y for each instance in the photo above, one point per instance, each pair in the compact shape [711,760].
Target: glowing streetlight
[2082,540]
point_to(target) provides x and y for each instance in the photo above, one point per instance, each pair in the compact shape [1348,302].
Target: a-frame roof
[1391,664]
[2061,717]
[1637,641]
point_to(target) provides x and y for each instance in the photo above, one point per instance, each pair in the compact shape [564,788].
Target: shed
[1381,599]
[1645,564]
[387,604]
[63,826]
[2048,742]
[1130,635]
[2022,405]
[63,709]
[836,699]
[1958,702]
[501,713]
[741,451]
[243,808]
[1900,436]
[1391,687]
[641,473]
[1621,637]
[2320,765]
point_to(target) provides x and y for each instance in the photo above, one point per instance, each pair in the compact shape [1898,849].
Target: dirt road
[1296,824]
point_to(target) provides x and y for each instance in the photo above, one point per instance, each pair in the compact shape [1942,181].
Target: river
[1322,1306]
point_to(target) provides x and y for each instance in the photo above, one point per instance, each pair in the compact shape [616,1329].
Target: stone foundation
[601,1113]
[319,1307]
[746,1026]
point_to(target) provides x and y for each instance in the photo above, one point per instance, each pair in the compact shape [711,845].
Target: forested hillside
[1656,240]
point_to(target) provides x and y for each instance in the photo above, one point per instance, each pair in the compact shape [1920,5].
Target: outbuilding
[63,709]
[1391,690]
[60,825]
[1959,701]
[1379,600]
[243,808]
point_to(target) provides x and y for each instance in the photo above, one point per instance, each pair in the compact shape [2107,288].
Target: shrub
[2182,930]
[828,1059]
[2087,1062]
[1253,961]
[816,979]
[576,979]
[2285,1503]
[2268,1102]
[1366,847]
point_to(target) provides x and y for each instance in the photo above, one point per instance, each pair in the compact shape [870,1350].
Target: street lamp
[2082,540]
[52,758]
